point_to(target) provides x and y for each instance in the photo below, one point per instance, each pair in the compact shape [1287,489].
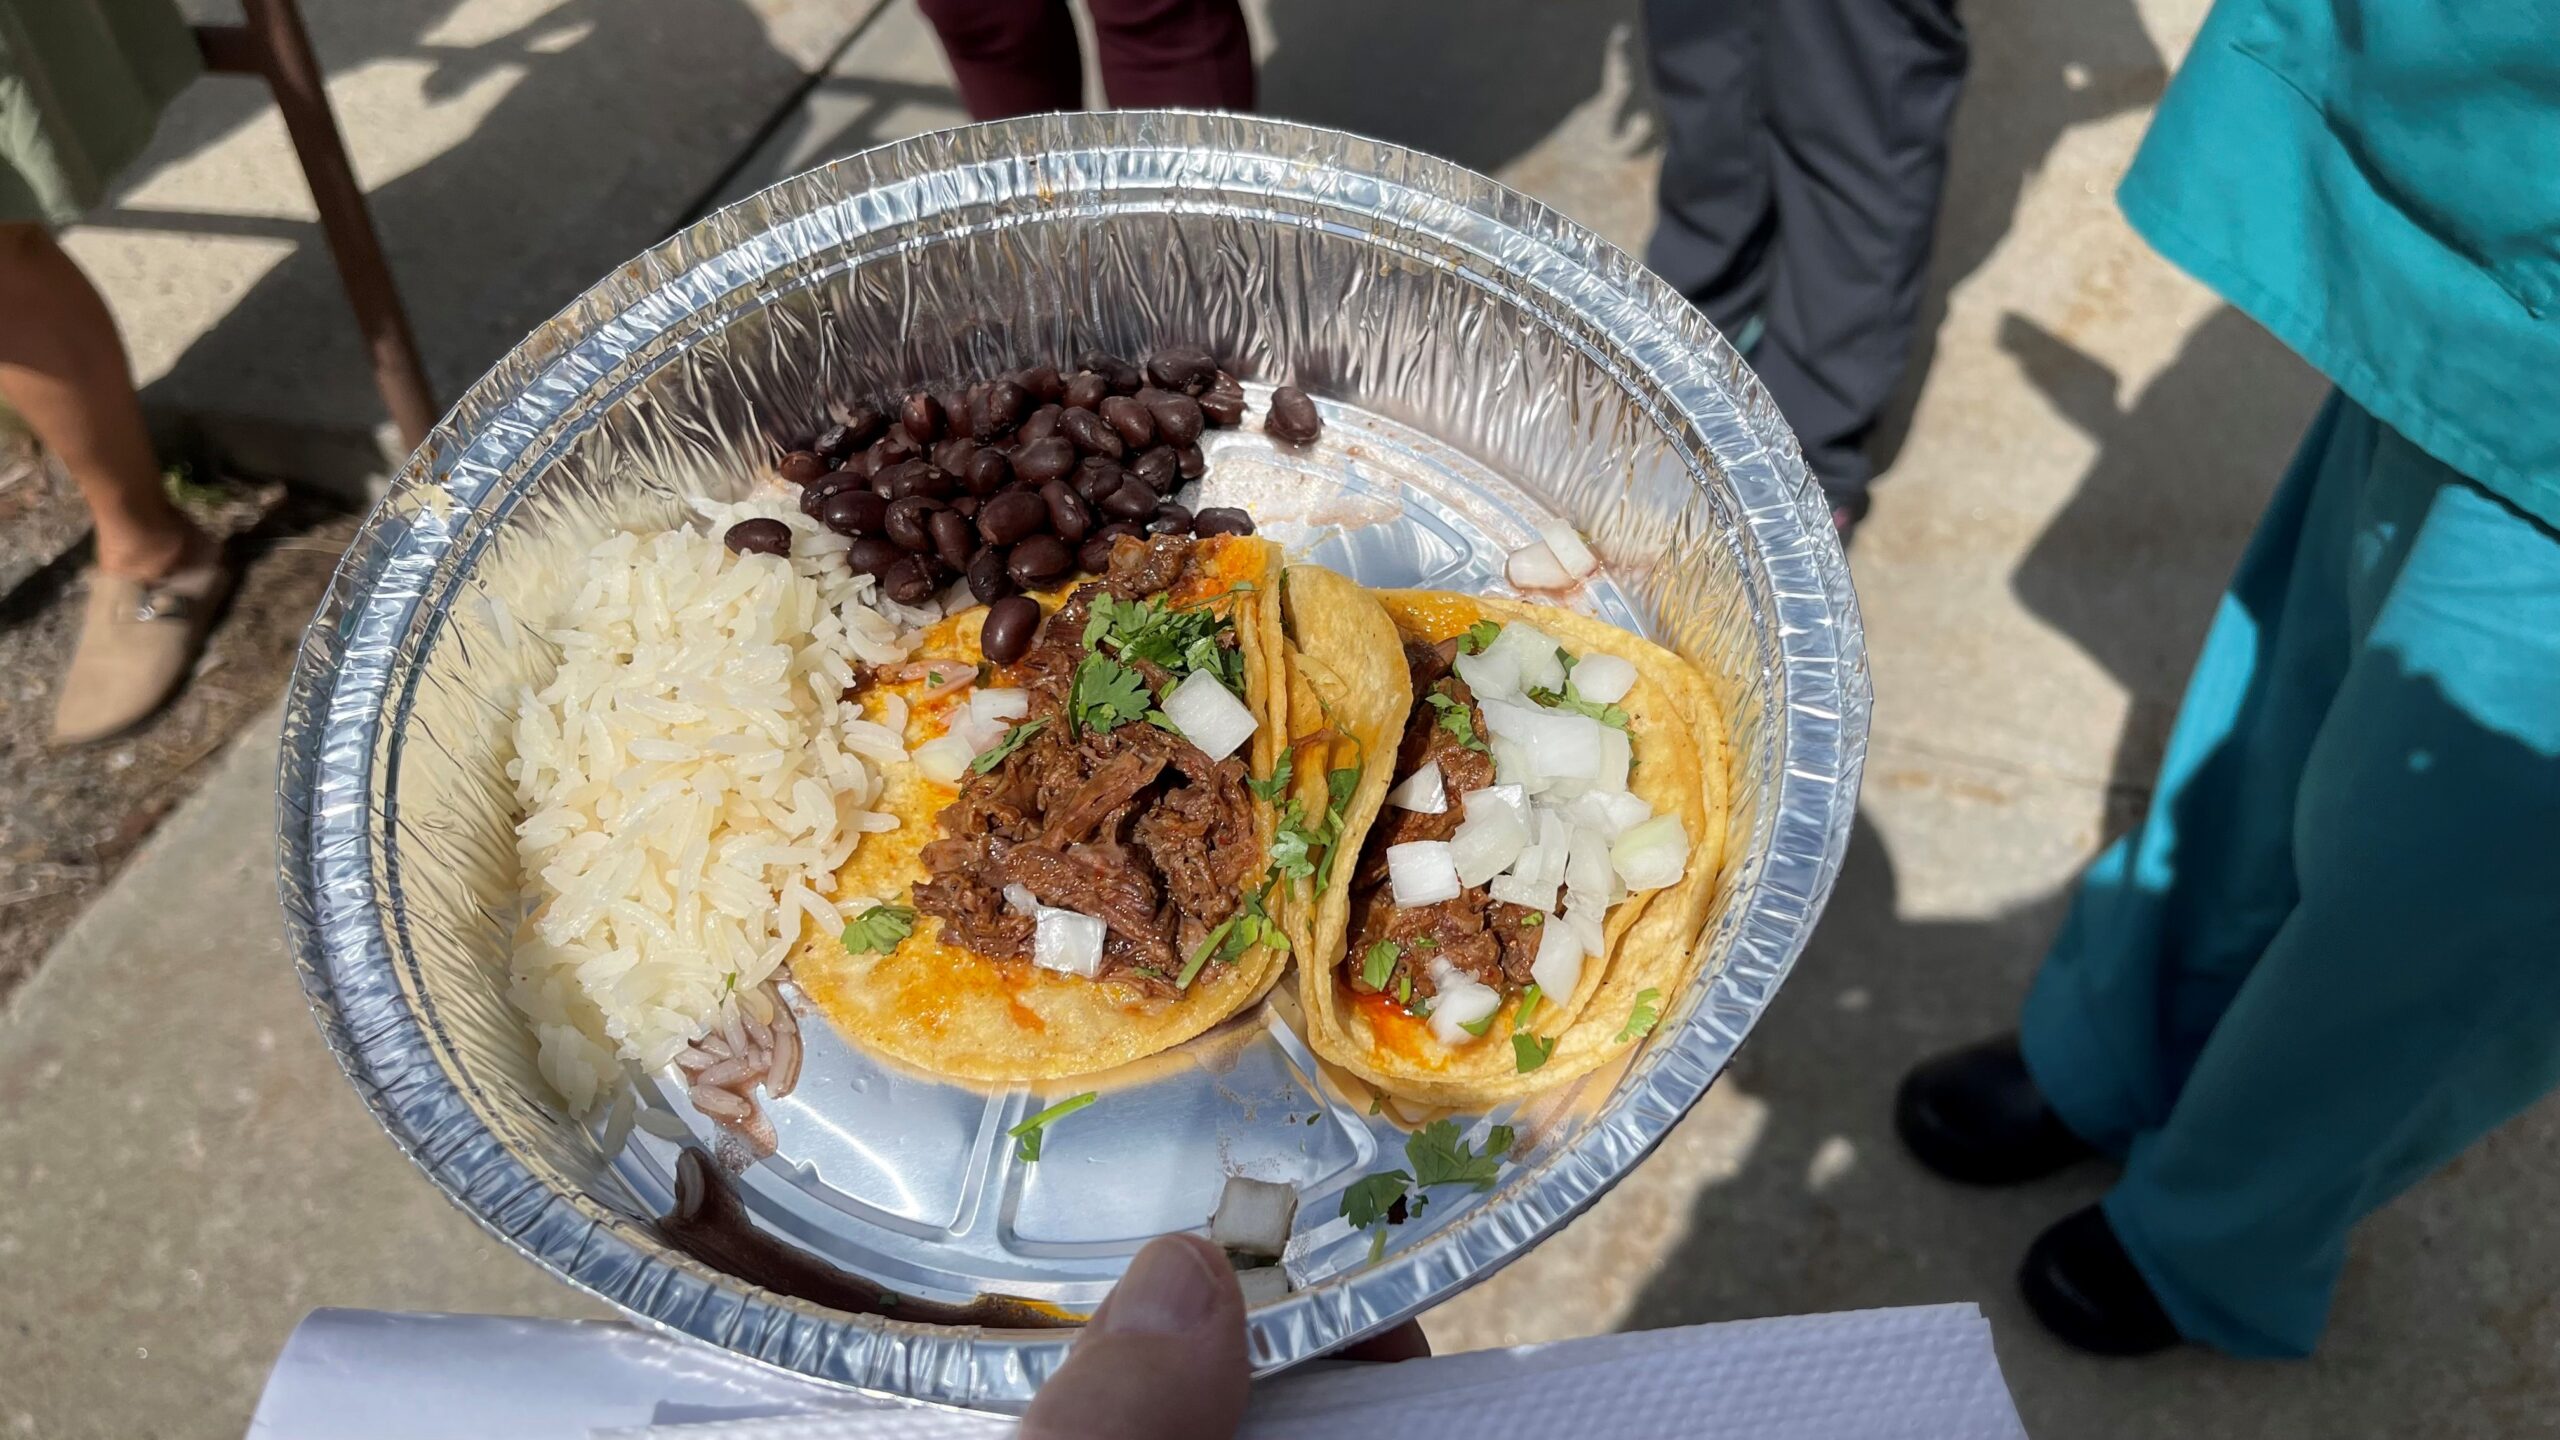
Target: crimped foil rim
[362,641]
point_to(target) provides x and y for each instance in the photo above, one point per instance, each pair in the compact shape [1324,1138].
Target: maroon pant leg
[1011,57]
[1192,54]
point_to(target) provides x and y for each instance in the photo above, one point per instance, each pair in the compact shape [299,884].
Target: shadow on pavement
[1477,81]
[575,146]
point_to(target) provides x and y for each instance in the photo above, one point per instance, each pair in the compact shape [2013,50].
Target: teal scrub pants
[2325,963]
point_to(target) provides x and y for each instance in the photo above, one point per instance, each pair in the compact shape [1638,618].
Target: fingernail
[1169,1289]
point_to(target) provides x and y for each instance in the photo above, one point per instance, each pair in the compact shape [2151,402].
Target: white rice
[691,781]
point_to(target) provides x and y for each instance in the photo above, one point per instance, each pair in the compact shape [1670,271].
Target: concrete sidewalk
[2085,454]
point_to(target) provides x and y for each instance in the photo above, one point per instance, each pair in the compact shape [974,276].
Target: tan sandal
[138,640]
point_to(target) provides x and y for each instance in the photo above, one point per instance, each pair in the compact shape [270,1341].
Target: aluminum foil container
[1484,365]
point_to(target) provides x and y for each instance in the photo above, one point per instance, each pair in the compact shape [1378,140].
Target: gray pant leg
[1806,152]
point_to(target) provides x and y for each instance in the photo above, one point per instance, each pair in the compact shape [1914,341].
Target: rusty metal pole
[274,44]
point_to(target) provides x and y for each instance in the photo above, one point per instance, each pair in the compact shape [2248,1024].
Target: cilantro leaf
[1529,1052]
[1249,926]
[1269,791]
[1571,699]
[1378,964]
[1439,1155]
[1026,1136]
[1459,720]
[1532,920]
[1293,843]
[1478,636]
[1478,1027]
[1107,694]
[1370,1197]
[1179,642]
[1338,785]
[1012,741]
[879,929]
[1646,1013]
[1529,999]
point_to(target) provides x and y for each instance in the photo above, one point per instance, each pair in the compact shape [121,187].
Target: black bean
[965,505]
[1178,418]
[1130,419]
[1293,417]
[988,472]
[1171,519]
[1043,382]
[854,512]
[1042,461]
[1097,477]
[1008,517]
[921,418]
[1190,463]
[1187,368]
[1039,559]
[1132,501]
[1091,435]
[987,579]
[864,424]
[1094,556]
[759,537]
[953,454]
[1040,424]
[998,410]
[1012,622]
[827,485]
[906,521]
[864,464]
[1160,469]
[910,581]
[1067,514]
[1084,390]
[873,555]
[1223,402]
[1222,520]
[953,537]
[1122,376]
[911,477]
[802,466]
[836,443]
[955,410]
[897,445]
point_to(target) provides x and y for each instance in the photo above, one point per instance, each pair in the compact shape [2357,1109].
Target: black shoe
[2084,1288]
[1974,1115]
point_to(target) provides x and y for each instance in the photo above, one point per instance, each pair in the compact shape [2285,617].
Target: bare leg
[63,369]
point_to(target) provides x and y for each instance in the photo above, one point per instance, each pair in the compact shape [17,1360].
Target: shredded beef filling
[1479,936]
[1133,825]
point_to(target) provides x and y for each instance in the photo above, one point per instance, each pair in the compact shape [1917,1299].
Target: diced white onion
[1520,885]
[1558,967]
[1611,812]
[1422,792]
[1589,879]
[1458,1002]
[1604,678]
[1535,567]
[1566,544]
[1067,942]
[999,707]
[1263,1284]
[1253,1217]
[1490,837]
[1489,675]
[1208,715]
[1555,744]
[1653,854]
[1422,872]
[1533,653]
[1022,900]
[1511,767]
[1617,761]
[944,758]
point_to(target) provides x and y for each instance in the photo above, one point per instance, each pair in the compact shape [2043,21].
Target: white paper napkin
[1925,1372]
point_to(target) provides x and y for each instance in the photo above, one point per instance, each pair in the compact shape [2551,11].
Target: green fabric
[82,84]
[2321,967]
[2378,183]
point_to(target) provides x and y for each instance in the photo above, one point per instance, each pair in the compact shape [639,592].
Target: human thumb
[1163,1359]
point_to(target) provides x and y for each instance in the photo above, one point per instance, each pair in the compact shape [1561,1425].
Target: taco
[1081,872]
[1529,898]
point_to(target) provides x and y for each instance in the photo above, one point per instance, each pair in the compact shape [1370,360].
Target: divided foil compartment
[1484,365]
